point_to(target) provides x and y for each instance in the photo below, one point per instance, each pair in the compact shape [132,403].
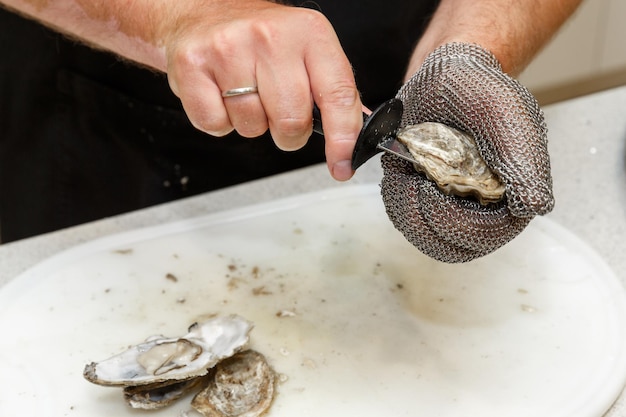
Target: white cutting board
[356,321]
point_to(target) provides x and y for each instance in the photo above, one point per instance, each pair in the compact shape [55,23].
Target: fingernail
[342,170]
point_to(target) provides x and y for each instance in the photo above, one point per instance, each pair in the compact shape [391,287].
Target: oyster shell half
[160,359]
[243,386]
[451,159]
[161,394]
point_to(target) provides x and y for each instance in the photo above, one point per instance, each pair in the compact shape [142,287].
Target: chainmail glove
[463,86]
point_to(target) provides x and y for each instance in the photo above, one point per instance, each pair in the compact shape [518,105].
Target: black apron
[84,135]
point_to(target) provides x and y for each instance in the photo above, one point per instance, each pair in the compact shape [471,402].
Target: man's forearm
[513,30]
[290,54]
[134,29]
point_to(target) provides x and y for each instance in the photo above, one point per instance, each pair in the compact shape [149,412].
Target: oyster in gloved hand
[451,159]
[463,86]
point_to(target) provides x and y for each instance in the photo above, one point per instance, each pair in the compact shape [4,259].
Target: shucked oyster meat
[161,358]
[451,159]
[161,370]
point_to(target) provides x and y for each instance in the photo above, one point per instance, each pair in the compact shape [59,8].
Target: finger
[199,94]
[334,91]
[247,115]
[245,111]
[286,97]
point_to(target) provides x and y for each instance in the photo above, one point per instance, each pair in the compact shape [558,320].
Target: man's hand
[206,47]
[294,58]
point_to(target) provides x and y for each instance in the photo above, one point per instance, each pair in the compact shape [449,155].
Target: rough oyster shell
[161,359]
[243,386]
[451,159]
[160,394]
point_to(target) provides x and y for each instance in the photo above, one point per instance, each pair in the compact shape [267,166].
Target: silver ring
[240,91]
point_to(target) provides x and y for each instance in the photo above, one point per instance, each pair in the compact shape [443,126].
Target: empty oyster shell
[161,359]
[243,386]
[451,159]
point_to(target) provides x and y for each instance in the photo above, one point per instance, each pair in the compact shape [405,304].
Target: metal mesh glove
[463,86]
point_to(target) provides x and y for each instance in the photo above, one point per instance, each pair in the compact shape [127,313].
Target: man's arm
[513,30]
[131,29]
[206,47]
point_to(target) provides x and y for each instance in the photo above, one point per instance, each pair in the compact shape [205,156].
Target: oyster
[160,394]
[161,359]
[243,386]
[450,158]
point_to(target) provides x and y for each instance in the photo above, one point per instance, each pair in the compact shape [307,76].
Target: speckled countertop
[588,150]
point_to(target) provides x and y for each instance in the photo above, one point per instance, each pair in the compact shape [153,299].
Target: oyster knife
[377,134]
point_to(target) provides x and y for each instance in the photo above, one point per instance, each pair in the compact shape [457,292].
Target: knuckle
[316,21]
[271,32]
[265,33]
[344,95]
[193,53]
[291,134]
[186,57]
[293,127]
[223,46]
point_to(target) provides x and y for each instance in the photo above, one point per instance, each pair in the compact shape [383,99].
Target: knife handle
[317,120]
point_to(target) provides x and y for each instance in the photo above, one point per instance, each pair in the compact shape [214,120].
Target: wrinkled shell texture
[243,386]
[451,159]
[233,383]
[161,394]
